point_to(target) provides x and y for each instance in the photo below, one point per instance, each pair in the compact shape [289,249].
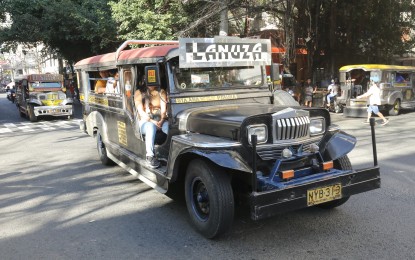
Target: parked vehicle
[229,138]
[43,95]
[397,84]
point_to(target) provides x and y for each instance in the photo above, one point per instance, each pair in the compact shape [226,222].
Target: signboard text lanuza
[226,51]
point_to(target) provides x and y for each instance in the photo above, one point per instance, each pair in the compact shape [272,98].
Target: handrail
[126,43]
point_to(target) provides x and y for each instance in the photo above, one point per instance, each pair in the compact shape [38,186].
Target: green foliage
[346,31]
[148,19]
[73,28]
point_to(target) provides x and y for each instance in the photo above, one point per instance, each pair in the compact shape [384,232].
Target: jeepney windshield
[42,85]
[218,77]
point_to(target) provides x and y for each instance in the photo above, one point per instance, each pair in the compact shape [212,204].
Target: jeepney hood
[52,98]
[221,120]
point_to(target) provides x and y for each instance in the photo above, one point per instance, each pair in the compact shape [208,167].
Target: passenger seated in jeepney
[112,86]
[101,84]
[400,78]
[151,107]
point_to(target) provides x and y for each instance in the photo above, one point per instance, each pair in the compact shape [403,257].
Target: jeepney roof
[370,67]
[126,57]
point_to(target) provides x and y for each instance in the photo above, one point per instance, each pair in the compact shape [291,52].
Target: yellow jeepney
[397,84]
[43,95]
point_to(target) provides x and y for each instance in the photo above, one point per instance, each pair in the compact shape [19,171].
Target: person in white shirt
[374,100]
[332,89]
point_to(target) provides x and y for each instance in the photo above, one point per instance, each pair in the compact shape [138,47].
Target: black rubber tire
[22,114]
[102,151]
[395,108]
[342,163]
[209,198]
[31,113]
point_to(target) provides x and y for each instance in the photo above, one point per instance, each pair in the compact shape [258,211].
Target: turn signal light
[287,174]
[327,165]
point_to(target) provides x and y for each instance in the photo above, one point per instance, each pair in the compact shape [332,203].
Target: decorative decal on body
[204,99]
[122,133]
[98,100]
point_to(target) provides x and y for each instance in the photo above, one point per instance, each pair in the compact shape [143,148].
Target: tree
[74,29]
[148,19]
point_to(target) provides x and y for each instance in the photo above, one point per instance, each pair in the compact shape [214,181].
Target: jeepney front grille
[292,128]
[272,152]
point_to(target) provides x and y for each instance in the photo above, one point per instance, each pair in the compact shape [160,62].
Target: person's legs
[369,113]
[165,127]
[376,111]
[149,130]
[329,96]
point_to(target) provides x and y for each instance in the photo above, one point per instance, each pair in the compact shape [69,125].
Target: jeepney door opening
[25,89]
[128,89]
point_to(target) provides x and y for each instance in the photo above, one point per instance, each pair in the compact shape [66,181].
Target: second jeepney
[230,139]
[39,95]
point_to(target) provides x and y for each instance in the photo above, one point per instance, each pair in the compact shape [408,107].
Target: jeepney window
[218,77]
[39,85]
[128,89]
[401,77]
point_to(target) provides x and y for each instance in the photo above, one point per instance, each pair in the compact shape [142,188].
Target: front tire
[209,198]
[343,163]
[102,151]
[31,113]
[394,110]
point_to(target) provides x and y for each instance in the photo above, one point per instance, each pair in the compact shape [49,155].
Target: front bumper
[66,110]
[269,203]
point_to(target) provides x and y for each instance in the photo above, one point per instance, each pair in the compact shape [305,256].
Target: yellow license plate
[324,194]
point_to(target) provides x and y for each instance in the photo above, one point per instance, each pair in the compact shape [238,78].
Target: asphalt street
[58,202]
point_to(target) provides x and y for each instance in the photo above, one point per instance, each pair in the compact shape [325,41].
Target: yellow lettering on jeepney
[205,99]
[122,133]
[91,99]
[102,100]
[81,97]
[98,100]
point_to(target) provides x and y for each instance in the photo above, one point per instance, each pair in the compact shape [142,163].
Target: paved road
[58,202]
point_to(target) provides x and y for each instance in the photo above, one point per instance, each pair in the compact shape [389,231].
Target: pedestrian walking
[374,100]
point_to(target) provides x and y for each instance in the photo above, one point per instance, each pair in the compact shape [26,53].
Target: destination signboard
[224,52]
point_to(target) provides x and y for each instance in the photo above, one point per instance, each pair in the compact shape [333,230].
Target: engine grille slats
[292,128]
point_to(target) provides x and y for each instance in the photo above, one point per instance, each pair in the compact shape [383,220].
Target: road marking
[38,126]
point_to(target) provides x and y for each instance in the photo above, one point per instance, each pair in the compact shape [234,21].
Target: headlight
[261,131]
[317,126]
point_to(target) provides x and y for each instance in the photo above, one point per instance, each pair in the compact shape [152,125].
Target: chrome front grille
[292,128]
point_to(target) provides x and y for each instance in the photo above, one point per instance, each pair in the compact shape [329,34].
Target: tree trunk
[224,23]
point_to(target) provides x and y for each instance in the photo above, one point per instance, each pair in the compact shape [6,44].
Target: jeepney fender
[220,153]
[337,144]
[393,96]
[95,121]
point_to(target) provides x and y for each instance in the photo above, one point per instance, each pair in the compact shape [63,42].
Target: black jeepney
[229,137]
